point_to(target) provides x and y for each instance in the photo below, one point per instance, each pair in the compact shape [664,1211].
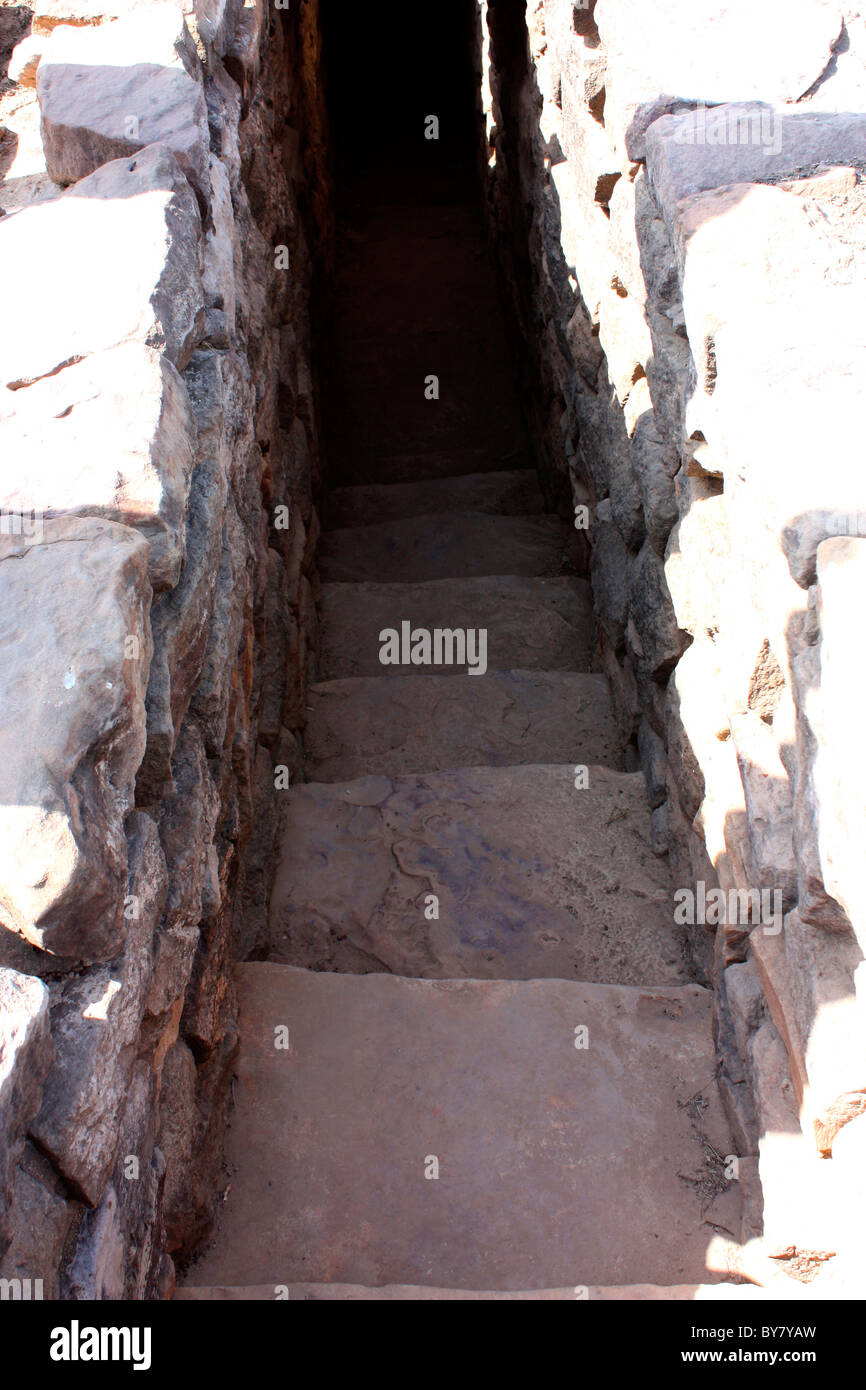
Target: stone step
[531,624]
[392,724]
[358,463]
[449,546]
[557,1165]
[532,878]
[512,493]
[412,1293]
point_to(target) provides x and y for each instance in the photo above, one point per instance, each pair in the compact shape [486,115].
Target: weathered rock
[131,230]
[839,764]
[80,443]
[25,1058]
[107,92]
[610,579]
[660,640]
[653,465]
[40,1218]
[95,1025]
[740,144]
[722,53]
[73,731]
[120,1246]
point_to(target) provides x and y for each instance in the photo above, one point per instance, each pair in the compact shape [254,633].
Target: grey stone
[72,730]
[95,1025]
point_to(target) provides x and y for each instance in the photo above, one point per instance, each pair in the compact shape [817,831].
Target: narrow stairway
[473,1063]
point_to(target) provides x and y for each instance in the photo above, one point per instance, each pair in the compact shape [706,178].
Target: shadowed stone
[527,869]
[396,724]
[555,1164]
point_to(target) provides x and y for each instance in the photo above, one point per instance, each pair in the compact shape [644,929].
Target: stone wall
[164,183]
[689,183]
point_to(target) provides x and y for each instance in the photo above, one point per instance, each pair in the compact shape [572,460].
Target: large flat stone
[465,545]
[528,872]
[557,1166]
[107,92]
[733,51]
[397,724]
[76,644]
[118,259]
[531,624]
[510,493]
[80,443]
[743,143]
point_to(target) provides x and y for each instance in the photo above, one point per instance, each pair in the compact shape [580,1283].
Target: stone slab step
[412,1293]
[556,1165]
[532,878]
[449,547]
[356,463]
[511,493]
[391,724]
[531,624]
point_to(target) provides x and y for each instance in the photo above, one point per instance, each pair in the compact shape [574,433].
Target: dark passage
[435,524]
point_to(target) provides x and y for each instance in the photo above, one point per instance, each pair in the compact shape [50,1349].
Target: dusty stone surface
[449,547]
[393,725]
[508,493]
[415,1293]
[527,870]
[531,624]
[463,1053]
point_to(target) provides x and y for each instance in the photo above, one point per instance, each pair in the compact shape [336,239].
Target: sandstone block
[77,653]
[109,91]
[112,437]
[131,232]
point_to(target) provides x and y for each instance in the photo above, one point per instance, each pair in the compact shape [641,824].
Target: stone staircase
[472,1064]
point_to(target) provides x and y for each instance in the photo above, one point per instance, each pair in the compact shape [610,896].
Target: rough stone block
[76,658]
[107,92]
[85,443]
[118,258]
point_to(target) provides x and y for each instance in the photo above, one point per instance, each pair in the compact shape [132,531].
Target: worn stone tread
[412,1293]
[558,1165]
[394,724]
[532,624]
[509,493]
[449,546]
[533,877]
